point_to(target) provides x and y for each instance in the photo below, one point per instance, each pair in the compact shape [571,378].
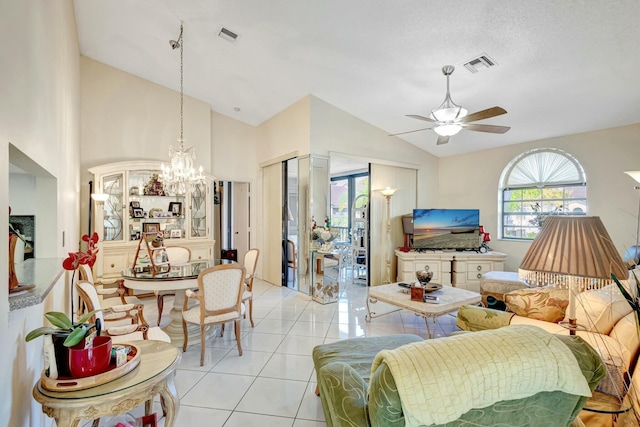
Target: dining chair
[128,320]
[291,259]
[109,293]
[176,255]
[250,262]
[219,297]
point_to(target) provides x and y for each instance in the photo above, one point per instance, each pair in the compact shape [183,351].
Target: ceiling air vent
[482,62]
[227,35]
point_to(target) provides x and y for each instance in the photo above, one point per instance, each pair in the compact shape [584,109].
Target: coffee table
[451,299]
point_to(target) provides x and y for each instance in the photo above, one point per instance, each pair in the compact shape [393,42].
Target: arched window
[539,183]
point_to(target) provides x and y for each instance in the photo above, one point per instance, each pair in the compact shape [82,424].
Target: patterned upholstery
[344,394]
[127,319]
[219,298]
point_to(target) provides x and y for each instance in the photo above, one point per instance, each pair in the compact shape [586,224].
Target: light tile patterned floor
[273,383]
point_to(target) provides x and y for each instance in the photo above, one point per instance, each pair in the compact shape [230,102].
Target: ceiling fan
[449,118]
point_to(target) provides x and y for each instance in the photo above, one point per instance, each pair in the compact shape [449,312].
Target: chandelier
[179,177]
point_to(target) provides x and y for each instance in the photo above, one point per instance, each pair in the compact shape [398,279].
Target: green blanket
[439,380]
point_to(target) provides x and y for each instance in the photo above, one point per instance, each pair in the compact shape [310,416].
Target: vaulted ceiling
[563,67]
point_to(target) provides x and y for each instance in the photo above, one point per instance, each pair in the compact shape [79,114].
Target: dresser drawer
[114,264]
[200,254]
[475,270]
[409,271]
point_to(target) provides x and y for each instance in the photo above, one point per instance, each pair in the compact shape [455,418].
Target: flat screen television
[446,228]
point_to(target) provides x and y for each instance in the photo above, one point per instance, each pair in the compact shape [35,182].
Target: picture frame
[137,213]
[175,208]
[175,234]
[151,227]
[134,204]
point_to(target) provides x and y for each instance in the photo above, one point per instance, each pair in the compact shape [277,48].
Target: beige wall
[39,114]
[233,149]
[124,117]
[334,130]
[471,181]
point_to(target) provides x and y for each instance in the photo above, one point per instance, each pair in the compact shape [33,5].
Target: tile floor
[273,383]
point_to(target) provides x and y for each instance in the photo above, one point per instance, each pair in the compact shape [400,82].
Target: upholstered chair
[127,319]
[176,255]
[250,262]
[219,299]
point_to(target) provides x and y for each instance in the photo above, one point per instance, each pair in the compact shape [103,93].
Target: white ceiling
[564,66]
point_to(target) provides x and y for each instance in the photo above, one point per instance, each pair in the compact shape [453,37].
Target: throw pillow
[544,303]
[600,309]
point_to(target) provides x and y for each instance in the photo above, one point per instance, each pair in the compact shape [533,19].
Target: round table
[154,375]
[179,278]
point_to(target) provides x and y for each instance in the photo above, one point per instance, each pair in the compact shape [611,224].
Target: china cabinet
[136,204]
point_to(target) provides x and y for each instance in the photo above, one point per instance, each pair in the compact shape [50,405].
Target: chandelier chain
[181,87]
[180,177]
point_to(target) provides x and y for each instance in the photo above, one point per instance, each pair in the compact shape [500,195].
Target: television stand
[459,269]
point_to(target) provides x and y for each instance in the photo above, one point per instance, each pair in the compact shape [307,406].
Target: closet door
[272,223]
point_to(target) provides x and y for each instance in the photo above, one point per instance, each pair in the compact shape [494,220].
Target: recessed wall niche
[33,197]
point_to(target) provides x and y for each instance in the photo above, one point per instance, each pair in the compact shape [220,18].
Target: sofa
[610,328]
[367,390]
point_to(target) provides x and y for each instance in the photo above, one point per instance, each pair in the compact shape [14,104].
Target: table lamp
[573,252]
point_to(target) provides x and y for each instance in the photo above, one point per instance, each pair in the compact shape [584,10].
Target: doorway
[232,228]
[290,237]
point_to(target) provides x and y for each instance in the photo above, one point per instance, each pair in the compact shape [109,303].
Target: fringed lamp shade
[574,250]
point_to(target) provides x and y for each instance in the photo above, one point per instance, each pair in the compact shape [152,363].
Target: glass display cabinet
[138,203]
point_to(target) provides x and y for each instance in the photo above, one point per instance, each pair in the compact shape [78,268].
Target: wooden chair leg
[251,311]
[202,328]
[160,307]
[237,332]
[185,333]
[317,390]
[222,330]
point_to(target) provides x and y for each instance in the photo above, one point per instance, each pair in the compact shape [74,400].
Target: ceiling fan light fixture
[448,114]
[447,129]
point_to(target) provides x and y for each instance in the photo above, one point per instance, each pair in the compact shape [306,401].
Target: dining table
[179,278]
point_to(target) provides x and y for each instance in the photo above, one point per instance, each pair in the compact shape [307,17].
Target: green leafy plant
[62,323]
[633,300]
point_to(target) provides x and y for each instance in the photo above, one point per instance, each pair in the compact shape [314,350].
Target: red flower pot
[91,361]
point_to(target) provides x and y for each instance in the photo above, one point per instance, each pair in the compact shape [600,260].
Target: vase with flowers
[65,333]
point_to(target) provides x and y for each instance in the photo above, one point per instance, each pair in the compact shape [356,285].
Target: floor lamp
[573,252]
[388,193]
[636,176]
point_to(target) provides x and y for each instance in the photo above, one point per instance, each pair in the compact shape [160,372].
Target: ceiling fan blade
[410,131]
[486,128]
[484,114]
[442,140]
[426,119]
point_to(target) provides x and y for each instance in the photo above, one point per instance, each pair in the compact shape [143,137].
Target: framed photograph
[151,227]
[175,208]
[176,234]
[138,213]
[134,204]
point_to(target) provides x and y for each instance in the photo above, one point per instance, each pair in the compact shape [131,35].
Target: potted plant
[65,333]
